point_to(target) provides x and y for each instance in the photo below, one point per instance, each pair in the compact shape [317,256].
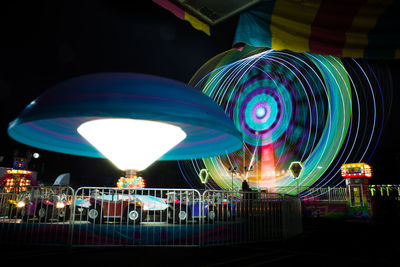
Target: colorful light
[356,170]
[51,121]
[305,107]
[18,183]
[21,204]
[385,190]
[60,205]
[17,180]
[131,182]
[13,171]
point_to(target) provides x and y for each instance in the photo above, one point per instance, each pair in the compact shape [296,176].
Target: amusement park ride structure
[17,177]
[358,194]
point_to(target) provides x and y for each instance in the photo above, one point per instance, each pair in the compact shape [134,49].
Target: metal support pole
[232,170]
[329,194]
[232,181]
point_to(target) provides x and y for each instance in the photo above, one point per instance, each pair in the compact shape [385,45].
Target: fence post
[201,219]
[329,194]
[283,217]
[72,218]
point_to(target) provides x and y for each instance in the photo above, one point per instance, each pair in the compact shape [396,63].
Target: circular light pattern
[289,107]
[260,112]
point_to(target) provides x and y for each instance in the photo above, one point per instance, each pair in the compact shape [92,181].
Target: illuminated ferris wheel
[288,107]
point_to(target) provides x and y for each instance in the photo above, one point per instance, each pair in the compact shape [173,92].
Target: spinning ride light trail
[120,110]
[289,107]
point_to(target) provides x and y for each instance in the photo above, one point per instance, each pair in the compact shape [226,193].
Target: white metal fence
[26,211]
[320,194]
[326,194]
[94,216]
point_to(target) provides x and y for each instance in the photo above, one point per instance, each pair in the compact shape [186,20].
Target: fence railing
[320,194]
[129,217]
[25,211]
[326,194]
[104,216]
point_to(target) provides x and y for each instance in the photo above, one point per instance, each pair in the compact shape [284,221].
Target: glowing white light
[21,204]
[60,205]
[36,155]
[260,112]
[131,144]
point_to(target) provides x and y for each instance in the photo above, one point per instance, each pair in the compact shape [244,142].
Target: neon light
[356,169]
[267,175]
[313,113]
[18,172]
[203,175]
[296,168]
[131,182]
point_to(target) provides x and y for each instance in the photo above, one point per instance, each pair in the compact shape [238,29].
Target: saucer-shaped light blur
[131,144]
[51,121]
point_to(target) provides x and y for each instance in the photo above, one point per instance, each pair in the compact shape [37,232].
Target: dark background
[43,43]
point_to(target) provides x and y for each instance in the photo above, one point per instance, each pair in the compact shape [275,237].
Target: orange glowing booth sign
[356,170]
[17,180]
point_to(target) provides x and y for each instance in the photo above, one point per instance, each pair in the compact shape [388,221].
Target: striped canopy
[356,28]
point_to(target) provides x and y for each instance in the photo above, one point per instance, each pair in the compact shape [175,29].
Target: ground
[322,243]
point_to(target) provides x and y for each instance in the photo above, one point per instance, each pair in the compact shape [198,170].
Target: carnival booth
[14,180]
[358,194]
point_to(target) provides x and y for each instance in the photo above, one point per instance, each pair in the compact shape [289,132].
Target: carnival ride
[289,107]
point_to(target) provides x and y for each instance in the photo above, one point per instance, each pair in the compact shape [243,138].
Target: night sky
[45,43]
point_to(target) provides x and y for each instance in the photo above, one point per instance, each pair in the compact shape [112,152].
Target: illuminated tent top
[357,29]
[356,170]
[50,122]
